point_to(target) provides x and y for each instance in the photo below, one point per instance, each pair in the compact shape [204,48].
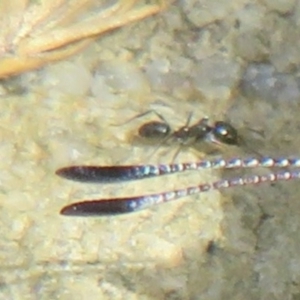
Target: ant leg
[162,142]
[176,154]
[178,133]
[138,116]
[204,121]
[242,143]
[188,120]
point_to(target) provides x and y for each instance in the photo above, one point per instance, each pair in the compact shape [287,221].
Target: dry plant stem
[37,34]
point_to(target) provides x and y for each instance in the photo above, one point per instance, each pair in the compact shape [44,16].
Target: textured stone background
[234,60]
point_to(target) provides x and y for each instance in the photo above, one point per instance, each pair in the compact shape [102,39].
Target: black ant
[220,133]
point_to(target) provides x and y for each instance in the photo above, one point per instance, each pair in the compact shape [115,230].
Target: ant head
[225,133]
